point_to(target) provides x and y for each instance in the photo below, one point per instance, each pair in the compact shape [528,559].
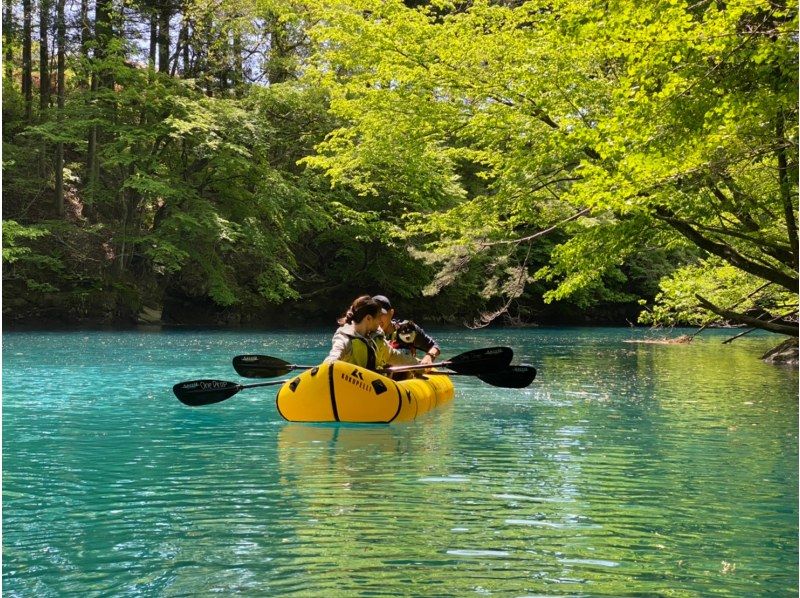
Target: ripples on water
[625,470]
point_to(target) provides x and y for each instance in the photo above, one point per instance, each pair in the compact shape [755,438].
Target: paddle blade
[514,376]
[260,366]
[204,392]
[481,361]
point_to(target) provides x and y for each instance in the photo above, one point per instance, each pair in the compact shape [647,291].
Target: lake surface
[624,470]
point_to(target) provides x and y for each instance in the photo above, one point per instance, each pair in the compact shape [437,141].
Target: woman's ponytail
[363,306]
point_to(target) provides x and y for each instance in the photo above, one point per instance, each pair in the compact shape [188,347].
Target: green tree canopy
[631,127]
[489,155]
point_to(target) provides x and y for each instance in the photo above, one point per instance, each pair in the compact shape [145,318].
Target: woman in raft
[359,340]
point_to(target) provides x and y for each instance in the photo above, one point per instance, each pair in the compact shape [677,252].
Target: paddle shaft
[474,362]
[270,383]
[390,370]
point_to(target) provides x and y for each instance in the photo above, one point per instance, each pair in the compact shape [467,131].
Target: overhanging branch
[728,253]
[541,233]
[780,328]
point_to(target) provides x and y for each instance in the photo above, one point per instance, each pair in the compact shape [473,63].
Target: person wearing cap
[359,340]
[420,340]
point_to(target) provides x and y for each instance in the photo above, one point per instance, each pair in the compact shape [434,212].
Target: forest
[262,162]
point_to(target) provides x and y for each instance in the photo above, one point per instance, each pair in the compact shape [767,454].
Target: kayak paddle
[205,392]
[264,366]
[514,376]
[471,363]
[196,393]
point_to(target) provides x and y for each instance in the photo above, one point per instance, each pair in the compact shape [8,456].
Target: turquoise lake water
[624,470]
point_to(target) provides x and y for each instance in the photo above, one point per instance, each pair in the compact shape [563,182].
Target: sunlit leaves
[720,283]
[511,118]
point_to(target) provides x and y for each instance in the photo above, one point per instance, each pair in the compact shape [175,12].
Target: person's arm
[389,356]
[340,348]
[427,344]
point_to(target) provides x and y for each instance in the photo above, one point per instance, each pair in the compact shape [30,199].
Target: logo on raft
[356,378]
[249,358]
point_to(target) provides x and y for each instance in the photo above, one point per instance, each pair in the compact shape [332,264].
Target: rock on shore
[784,354]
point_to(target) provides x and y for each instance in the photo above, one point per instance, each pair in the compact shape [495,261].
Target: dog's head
[407,332]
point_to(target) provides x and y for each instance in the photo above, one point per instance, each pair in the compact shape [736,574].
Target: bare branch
[780,328]
[541,233]
[728,253]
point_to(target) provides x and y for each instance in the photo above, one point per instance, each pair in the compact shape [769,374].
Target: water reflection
[362,503]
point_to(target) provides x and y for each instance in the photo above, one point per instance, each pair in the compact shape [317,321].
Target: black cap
[383,300]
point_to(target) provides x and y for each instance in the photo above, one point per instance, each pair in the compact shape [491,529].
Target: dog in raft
[404,337]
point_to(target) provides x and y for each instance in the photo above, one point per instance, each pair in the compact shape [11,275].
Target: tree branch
[785,187]
[728,253]
[789,330]
[745,218]
[749,330]
[782,253]
[541,233]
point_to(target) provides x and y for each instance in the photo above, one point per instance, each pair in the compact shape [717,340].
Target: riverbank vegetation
[262,161]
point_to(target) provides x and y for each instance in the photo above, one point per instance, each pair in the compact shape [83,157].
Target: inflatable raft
[342,392]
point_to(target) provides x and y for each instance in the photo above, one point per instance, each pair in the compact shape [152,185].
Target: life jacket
[364,352]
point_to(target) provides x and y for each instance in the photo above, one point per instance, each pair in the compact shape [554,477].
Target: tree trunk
[86,30]
[789,329]
[85,34]
[122,246]
[279,53]
[27,75]
[104,32]
[238,67]
[44,58]
[163,38]
[180,46]
[151,57]
[204,66]
[8,36]
[728,253]
[101,77]
[91,83]
[44,78]
[184,39]
[61,30]
[91,154]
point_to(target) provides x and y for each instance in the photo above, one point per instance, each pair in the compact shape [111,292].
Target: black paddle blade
[514,376]
[204,392]
[481,361]
[260,366]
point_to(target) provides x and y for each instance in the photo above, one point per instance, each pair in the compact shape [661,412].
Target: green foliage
[275,286]
[477,155]
[14,237]
[23,261]
[664,122]
[42,259]
[721,284]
